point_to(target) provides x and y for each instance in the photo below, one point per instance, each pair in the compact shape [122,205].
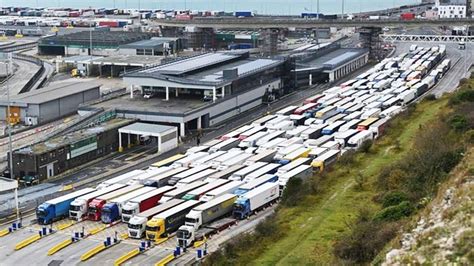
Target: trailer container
[58,208]
[298,120]
[287,150]
[407,96]
[343,137]
[271,145]
[186,161]
[225,174]
[331,128]
[255,199]
[236,133]
[312,132]
[378,127]
[143,202]
[252,140]
[251,132]
[200,176]
[327,158]
[225,145]
[262,121]
[149,173]
[352,124]
[137,224]
[165,223]
[302,172]
[239,175]
[273,124]
[121,179]
[296,132]
[237,160]
[199,192]
[208,159]
[313,99]
[168,161]
[269,137]
[196,149]
[290,166]
[391,111]
[174,179]
[286,111]
[266,156]
[356,141]
[230,187]
[267,169]
[216,162]
[79,206]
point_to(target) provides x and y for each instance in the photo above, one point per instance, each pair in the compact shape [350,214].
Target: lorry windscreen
[127,211]
[92,210]
[183,234]
[152,228]
[135,226]
[41,213]
[75,208]
[191,220]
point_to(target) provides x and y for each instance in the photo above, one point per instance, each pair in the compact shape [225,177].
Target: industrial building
[154,46]
[166,137]
[103,43]
[200,91]
[59,154]
[49,103]
[326,63]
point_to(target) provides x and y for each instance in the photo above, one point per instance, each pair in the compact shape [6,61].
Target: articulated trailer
[222,190]
[199,192]
[143,202]
[256,199]
[163,224]
[137,224]
[58,208]
[121,179]
[202,215]
[178,193]
[164,178]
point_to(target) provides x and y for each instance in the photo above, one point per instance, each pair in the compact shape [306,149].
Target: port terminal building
[200,91]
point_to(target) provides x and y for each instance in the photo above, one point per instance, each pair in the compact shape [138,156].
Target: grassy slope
[315,224]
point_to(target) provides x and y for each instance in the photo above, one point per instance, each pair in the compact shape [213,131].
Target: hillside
[444,232]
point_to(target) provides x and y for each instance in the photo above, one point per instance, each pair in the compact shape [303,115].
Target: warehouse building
[49,103]
[158,46]
[329,65]
[201,91]
[103,43]
[55,156]
[166,137]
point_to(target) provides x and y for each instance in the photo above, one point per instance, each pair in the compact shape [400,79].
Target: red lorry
[407,16]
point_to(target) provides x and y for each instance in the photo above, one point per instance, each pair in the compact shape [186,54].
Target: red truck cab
[95,208]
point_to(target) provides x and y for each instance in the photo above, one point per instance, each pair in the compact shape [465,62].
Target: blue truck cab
[241,208]
[110,213]
[58,208]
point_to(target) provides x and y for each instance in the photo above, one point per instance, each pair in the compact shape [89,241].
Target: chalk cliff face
[445,232]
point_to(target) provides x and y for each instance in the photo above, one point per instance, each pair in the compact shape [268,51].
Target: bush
[395,213]
[462,96]
[459,123]
[365,241]
[347,158]
[430,97]
[268,227]
[294,192]
[394,198]
[365,147]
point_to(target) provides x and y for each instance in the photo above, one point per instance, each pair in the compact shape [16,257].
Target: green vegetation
[349,213]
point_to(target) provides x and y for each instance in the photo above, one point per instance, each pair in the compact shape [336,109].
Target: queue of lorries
[227,179]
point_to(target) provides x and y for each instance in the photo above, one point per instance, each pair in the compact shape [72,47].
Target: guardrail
[17,47]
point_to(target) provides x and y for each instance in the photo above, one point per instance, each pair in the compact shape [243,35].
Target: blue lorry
[243,14]
[58,208]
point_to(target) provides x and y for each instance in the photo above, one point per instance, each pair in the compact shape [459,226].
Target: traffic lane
[108,256]
[150,257]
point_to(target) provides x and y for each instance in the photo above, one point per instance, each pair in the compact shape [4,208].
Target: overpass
[285,22]
[426,38]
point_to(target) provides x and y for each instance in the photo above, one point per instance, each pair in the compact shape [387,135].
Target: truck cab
[45,213]
[186,233]
[137,226]
[95,209]
[241,208]
[77,209]
[110,213]
[155,228]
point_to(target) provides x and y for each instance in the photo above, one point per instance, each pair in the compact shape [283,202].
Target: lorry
[225,145]
[302,172]
[58,208]
[137,224]
[196,177]
[79,207]
[270,168]
[149,173]
[288,167]
[356,141]
[225,174]
[271,145]
[208,159]
[225,189]
[165,223]
[255,183]
[143,202]
[121,179]
[197,193]
[266,156]
[204,214]
[225,157]
[178,193]
[112,210]
[237,160]
[298,153]
[164,178]
[239,175]
[286,111]
[321,162]
[186,161]
[255,199]
[175,179]
[263,120]
[95,206]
